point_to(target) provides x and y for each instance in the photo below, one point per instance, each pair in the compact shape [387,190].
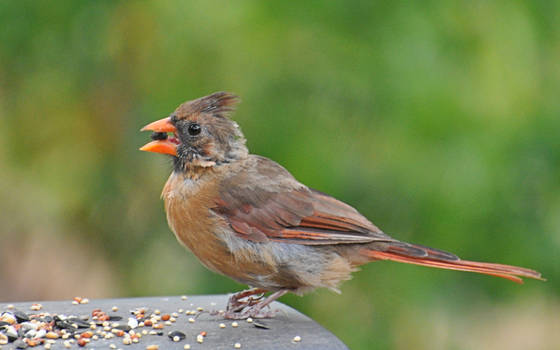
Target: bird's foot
[244,299]
[239,309]
[249,312]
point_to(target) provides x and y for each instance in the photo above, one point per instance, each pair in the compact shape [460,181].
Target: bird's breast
[187,205]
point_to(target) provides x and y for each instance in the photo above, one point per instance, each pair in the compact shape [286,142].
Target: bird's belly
[274,265]
[271,266]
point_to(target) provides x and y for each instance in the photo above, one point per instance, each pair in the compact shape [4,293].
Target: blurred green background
[438,120]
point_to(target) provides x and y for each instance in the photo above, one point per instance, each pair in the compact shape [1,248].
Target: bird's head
[202,133]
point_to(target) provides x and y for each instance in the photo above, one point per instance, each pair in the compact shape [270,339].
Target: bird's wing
[264,202]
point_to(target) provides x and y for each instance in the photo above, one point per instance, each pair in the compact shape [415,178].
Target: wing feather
[264,202]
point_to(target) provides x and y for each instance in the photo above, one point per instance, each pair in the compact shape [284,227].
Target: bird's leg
[236,302]
[255,310]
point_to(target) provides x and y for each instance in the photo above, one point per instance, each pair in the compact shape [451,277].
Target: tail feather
[425,256]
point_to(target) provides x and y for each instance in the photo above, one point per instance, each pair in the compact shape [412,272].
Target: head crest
[219,104]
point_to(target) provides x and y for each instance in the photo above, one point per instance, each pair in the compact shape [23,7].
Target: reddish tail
[425,256]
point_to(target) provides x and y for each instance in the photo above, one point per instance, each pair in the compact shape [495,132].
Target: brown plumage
[248,218]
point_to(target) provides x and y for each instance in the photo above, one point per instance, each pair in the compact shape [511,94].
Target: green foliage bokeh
[439,121]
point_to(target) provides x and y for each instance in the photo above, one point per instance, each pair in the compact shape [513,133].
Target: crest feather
[220,104]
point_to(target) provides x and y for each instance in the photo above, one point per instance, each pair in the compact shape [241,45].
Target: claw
[252,312]
[239,309]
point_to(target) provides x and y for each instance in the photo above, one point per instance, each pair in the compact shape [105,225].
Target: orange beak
[166,146]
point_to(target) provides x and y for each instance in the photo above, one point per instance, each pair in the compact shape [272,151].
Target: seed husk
[176,336]
[20,344]
[21,316]
[159,136]
[260,324]
[123,327]
[51,335]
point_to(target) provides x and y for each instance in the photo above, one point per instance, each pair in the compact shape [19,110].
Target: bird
[247,217]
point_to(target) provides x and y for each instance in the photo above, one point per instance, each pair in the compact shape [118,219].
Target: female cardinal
[248,218]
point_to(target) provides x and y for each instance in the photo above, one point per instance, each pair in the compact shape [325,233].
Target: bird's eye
[194,129]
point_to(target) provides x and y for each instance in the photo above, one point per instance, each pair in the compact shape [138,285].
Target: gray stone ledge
[282,329]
